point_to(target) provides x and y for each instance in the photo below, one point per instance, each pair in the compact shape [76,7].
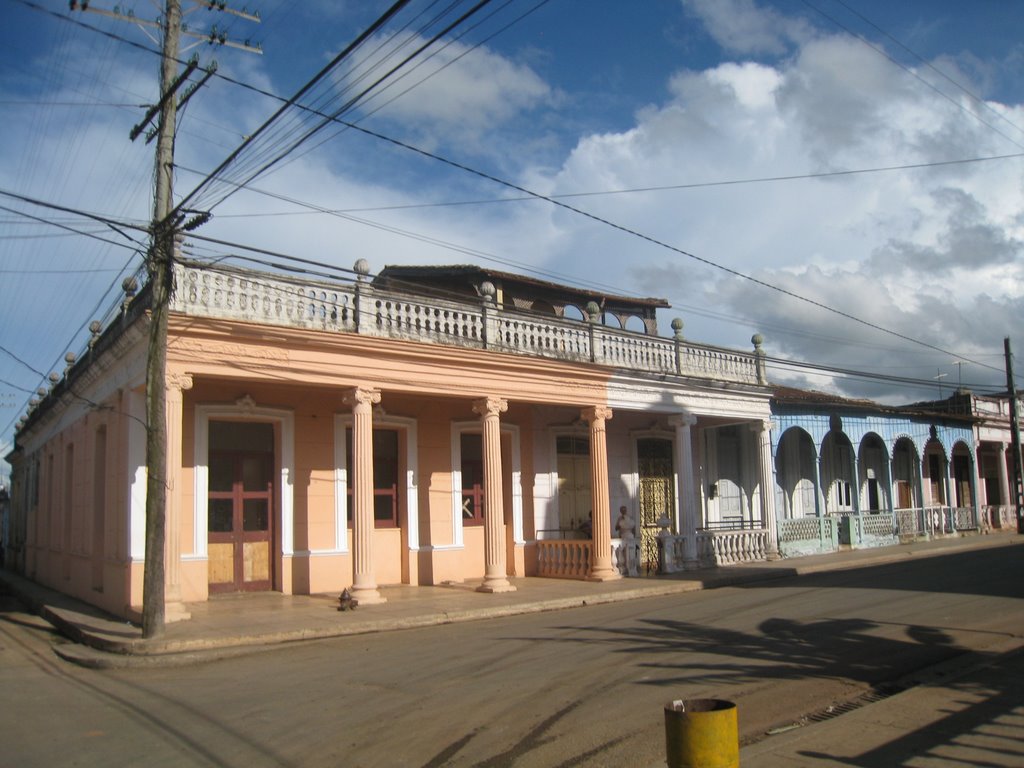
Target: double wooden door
[240,521]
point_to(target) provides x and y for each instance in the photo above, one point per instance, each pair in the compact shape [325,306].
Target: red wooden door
[240,521]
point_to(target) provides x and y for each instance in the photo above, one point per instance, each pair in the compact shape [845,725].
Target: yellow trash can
[702,733]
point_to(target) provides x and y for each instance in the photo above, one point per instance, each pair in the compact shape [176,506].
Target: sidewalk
[967,712]
[228,625]
[967,716]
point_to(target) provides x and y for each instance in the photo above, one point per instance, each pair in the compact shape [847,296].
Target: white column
[855,479]
[769,516]
[687,485]
[821,493]
[601,568]
[364,584]
[495,572]
[174,608]
[1004,479]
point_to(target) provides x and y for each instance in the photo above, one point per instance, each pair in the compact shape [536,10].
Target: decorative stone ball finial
[54,377]
[677,326]
[130,286]
[361,268]
[757,340]
[593,311]
[69,358]
[488,291]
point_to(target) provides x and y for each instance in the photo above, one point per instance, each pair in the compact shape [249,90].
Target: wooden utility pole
[1018,491]
[160,268]
[159,264]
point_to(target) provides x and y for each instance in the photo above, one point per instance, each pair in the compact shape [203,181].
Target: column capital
[490,406]
[361,396]
[761,426]
[596,413]
[179,381]
[682,420]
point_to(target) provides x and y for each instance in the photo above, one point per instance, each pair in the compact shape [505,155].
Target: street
[576,687]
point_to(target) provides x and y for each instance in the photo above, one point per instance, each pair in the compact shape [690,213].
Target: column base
[603,575]
[493,586]
[175,611]
[368,596]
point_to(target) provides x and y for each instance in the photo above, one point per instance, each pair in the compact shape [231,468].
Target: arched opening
[542,307]
[572,312]
[962,465]
[873,463]
[636,324]
[935,472]
[837,473]
[610,320]
[904,474]
[794,471]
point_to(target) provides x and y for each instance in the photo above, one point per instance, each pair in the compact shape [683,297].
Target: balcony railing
[221,292]
[564,558]
[1000,517]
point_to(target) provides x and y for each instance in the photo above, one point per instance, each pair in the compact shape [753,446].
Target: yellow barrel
[701,733]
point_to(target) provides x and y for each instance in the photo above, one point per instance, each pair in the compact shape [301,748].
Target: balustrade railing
[224,292]
[1000,517]
[626,556]
[564,558]
[262,298]
[932,521]
[671,552]
[964,519]
[880,525]
[877,529]
[808,535]
[731,547]
[419,320]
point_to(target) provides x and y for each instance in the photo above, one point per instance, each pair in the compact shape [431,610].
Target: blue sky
[684,99]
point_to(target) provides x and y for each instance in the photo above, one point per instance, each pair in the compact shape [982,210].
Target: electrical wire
[327,119]
[530,195]
[916,76]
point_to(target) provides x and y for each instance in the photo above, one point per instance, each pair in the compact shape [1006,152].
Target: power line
[435,72]
[330,271]
[647,238]
[548,274]
[327,119]
[932,67]
[633,190]
[551,199]
[345,52]
[913,74]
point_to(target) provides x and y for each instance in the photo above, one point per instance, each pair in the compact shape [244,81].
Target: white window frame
[343,422]
[475,427]
[284,421]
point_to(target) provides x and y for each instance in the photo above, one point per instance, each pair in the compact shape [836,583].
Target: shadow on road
[978,719]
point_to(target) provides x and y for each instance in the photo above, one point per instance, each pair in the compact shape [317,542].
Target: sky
[842,176]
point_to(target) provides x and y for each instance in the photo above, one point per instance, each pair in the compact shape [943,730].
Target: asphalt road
[578,687]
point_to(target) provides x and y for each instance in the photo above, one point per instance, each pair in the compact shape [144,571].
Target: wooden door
[240,516]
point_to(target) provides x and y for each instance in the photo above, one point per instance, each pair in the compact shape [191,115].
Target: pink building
[425,426]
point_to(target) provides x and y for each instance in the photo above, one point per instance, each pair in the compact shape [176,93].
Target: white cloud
[744,27]
[455,92]
[932,254]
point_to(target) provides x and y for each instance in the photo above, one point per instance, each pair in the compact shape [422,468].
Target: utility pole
[159,265]
[1018,491]
[160,268]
